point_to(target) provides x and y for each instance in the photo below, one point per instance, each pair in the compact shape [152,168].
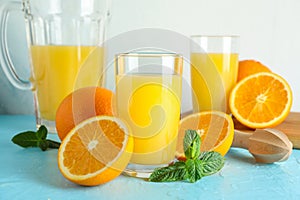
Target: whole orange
[81,105]
[249,67]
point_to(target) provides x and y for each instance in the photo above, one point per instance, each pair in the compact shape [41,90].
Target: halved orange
[261,100]
[96,151]
[215,129]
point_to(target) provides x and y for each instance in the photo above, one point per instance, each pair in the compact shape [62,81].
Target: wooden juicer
[266,145]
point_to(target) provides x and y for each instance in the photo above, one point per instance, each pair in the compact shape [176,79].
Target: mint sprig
[35,139]
[197,165]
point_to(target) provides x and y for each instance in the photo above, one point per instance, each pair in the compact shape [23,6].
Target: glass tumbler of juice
[214,68]
[148,92]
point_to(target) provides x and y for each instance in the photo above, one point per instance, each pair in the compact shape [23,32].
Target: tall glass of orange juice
[65,41]
[148,92]
[214,68]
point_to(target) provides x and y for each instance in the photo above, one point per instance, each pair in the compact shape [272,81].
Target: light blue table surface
[33,174]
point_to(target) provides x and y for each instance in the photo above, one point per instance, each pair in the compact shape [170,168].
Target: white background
[269,32]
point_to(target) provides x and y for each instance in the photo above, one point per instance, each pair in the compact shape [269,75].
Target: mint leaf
[194,170]
[42,133]
[211,162]
[175,172]
[191,144]
[26,139]
[53,144]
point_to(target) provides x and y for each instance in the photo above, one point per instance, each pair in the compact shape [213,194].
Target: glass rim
[148,54]
[215,36]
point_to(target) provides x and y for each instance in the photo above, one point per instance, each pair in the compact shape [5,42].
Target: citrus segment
[80,105]
[261,100]
[96,151]
[215,129]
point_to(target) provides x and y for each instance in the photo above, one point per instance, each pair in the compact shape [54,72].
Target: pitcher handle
[5,59]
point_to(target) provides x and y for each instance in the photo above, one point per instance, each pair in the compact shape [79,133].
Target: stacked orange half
[215,129]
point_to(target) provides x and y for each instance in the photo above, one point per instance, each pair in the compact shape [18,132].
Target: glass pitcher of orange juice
[65,41]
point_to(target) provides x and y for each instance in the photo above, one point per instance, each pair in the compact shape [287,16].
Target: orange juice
[150,104]
[213,75]
[58,70]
